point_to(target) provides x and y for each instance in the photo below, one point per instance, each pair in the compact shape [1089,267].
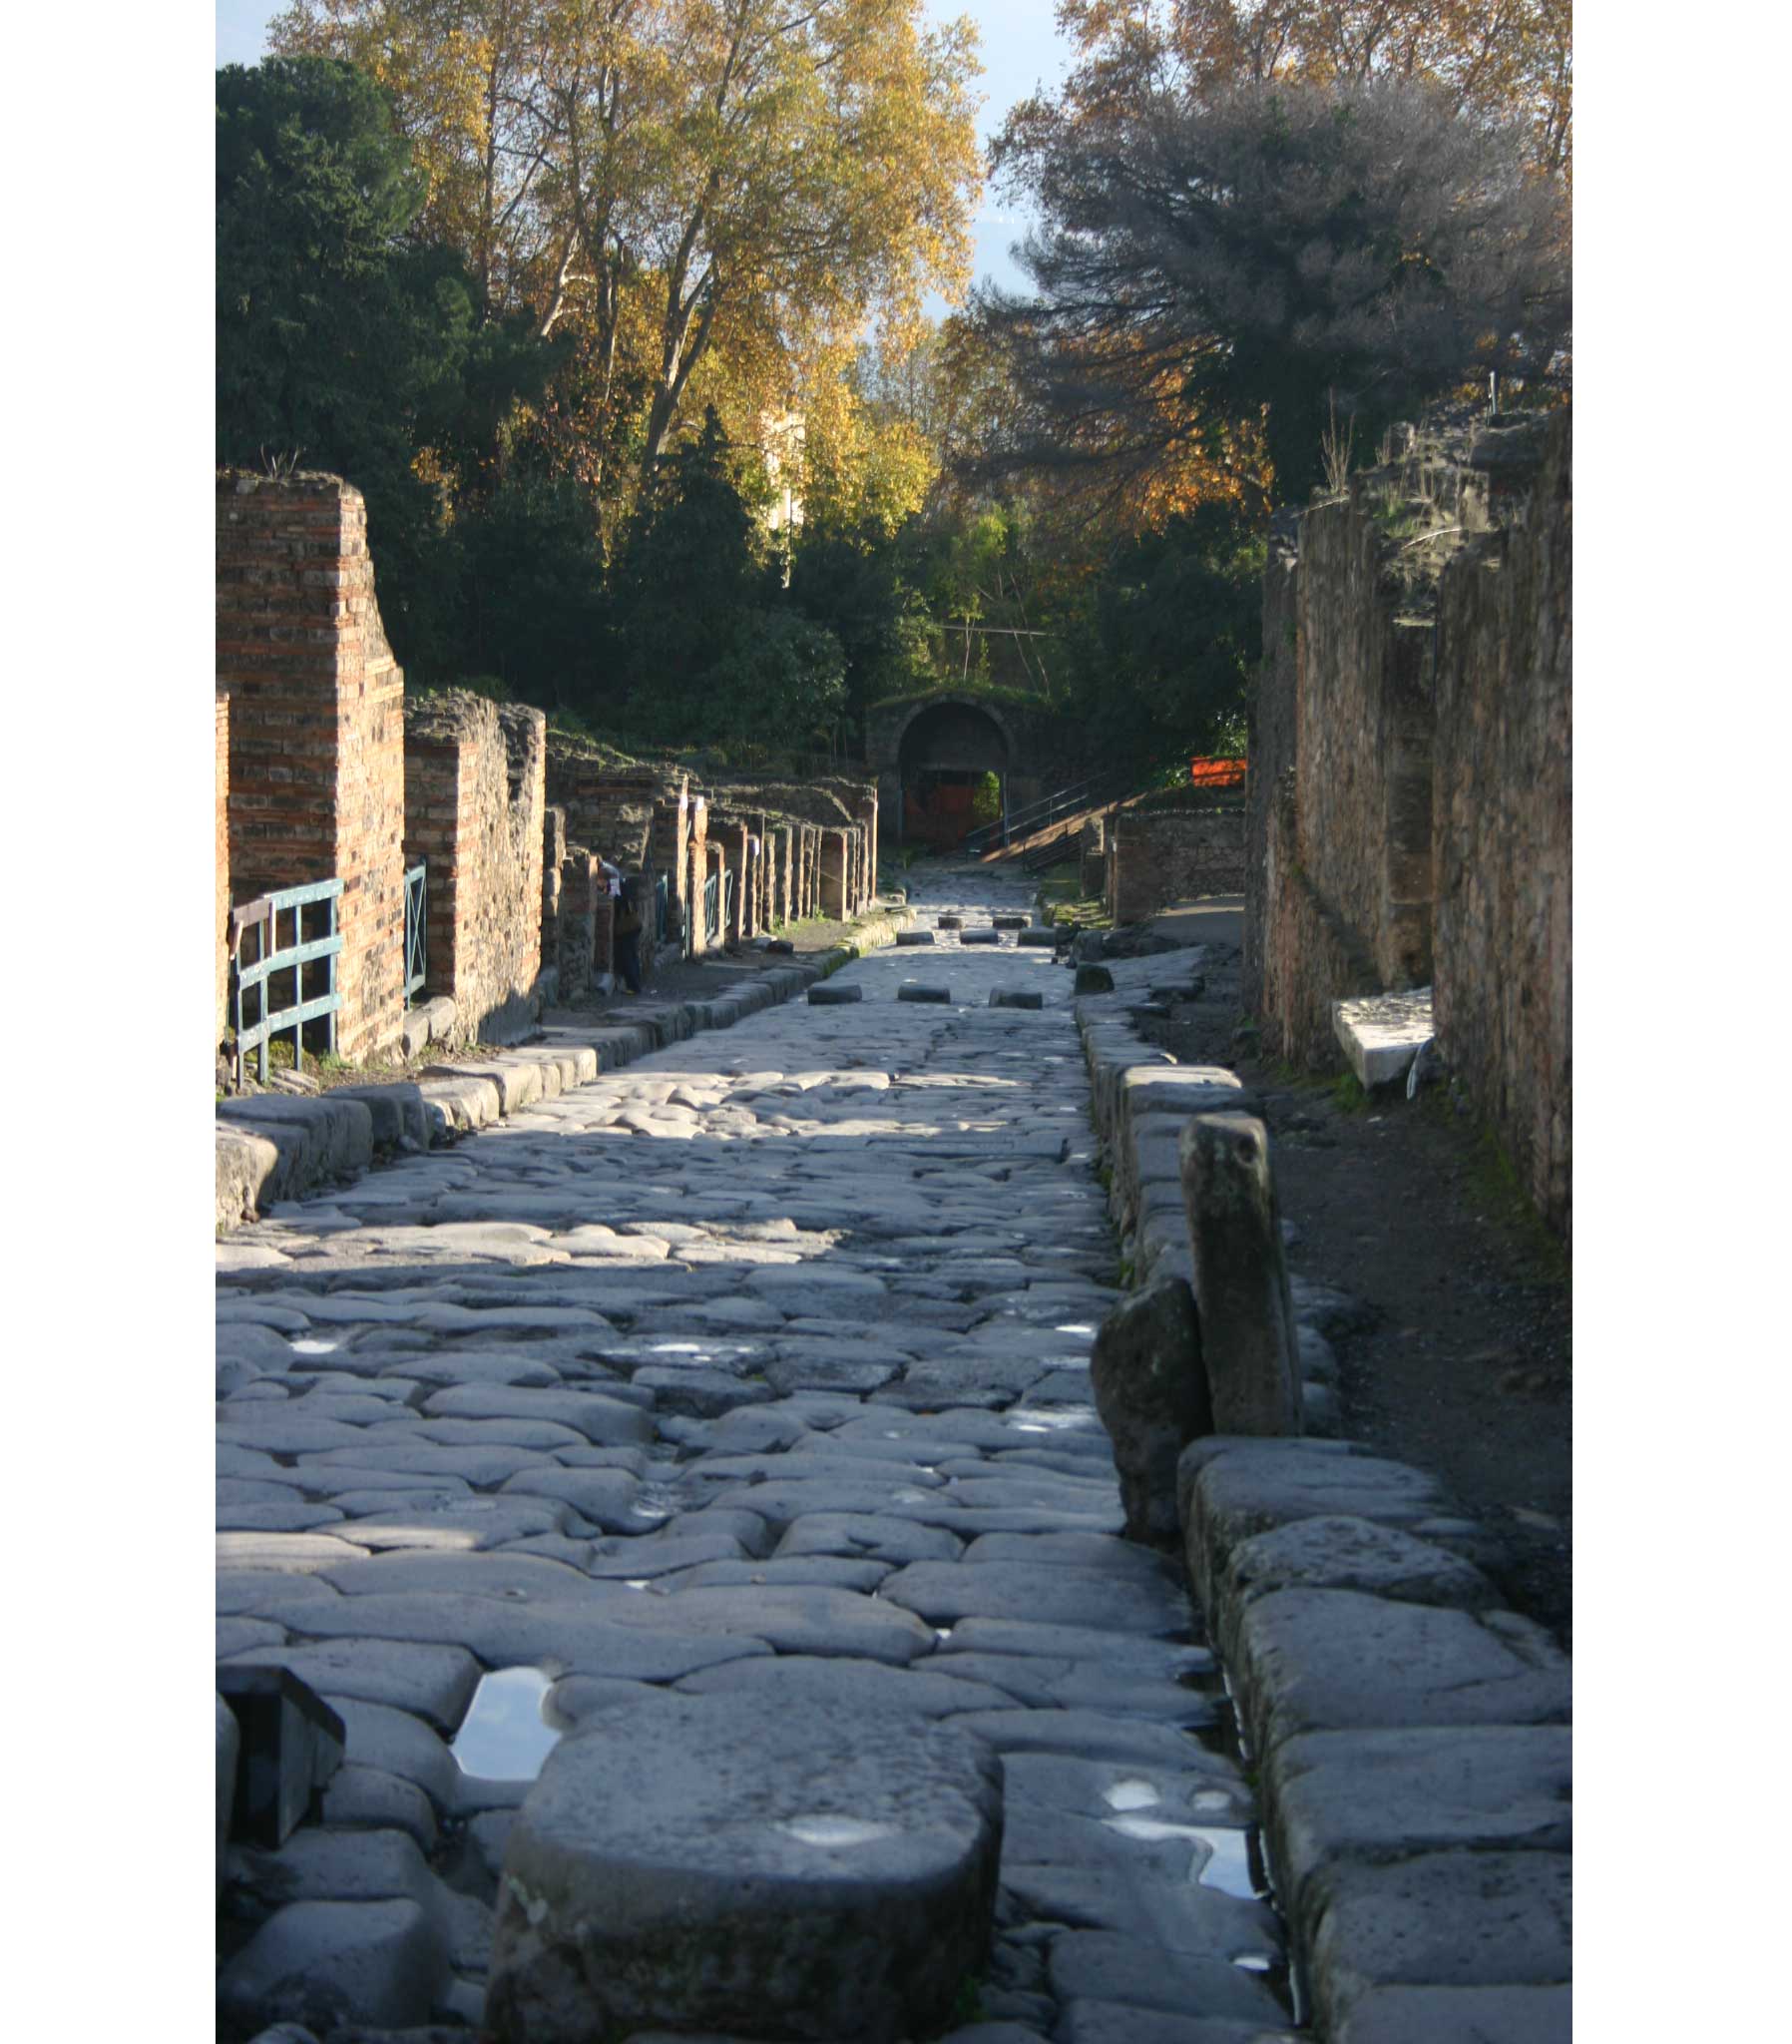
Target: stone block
[1440,1920]
[950,922]
[228,1746]
[725,1863]
[1015,997]
[333,1965]
[1248,1343]
[1337,1660]
[914,936]
[1032,937]
[1381,1034]
[319,1138]
[290,1744]
[828,995]
[1152,1393]
[924,993]
[397,1113]
[249,1172]
[1093,979]
[1487,2015]
[1337,1552]
[1010,922]
[1371,1798]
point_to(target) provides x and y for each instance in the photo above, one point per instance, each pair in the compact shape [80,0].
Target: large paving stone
[1338,1661]
[1097,1965]
[943,1593]
[799,1680]
[1381,1795]
[721,1862]
[1480,2015]
[433,1683]
[331,1965]
[1443,1919]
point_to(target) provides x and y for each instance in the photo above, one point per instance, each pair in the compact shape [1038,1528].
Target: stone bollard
[1247,1333]
[730,1863]
[1151,1392]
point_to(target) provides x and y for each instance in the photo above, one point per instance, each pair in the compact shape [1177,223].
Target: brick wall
[1504,767]
[475,810]
[1153,860]
[316,740]
[222,859]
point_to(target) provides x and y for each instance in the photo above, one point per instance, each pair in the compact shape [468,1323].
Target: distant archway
[947,750]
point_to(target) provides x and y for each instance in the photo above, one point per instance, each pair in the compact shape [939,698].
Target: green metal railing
[416,929]
[262,917]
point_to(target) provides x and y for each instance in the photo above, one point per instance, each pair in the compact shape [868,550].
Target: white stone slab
[1381,1033]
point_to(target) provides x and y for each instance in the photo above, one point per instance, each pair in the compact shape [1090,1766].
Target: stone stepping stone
[1010,922]
[914,936]
[1030,936]
[940,994]
[834,996]
[713,1862]
[951,922]
[1013,997]
[980,937]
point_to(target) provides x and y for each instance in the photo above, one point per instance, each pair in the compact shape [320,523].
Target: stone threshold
[1410,1735]
[275,1147]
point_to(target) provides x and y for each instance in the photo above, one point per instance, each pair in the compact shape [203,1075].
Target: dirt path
[1464,1366]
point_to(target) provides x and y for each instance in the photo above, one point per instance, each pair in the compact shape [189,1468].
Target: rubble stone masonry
[317,738]
[1156,858]
[1503,794]
[475,810]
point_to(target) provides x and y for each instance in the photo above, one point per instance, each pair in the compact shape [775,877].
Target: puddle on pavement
[504,1736]
[1232,1864]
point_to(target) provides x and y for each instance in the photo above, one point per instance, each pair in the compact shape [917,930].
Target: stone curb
[277,1146]
[1412,1736]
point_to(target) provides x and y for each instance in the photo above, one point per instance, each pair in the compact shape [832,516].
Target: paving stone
[1080,1735]
[572,1636]
[1335,1660]
[858,1533]
[1376,1796]
[1487,2015]
[1118,2022]
[1097,1965]
[318,1864]
[826,1571]
[792,1619]
[326,1964]
[944,1594]
[433,1683]
[833,1873]
[1451,1919]
[372,1799]
[800,1677]
[1334,1552]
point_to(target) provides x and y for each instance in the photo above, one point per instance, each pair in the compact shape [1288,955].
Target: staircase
[1045,831]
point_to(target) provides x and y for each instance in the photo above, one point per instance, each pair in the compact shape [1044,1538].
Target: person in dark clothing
[626,931]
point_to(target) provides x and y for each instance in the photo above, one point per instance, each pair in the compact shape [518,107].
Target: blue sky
[1021,49]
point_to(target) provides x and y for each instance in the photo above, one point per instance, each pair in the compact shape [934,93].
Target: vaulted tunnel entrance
[954,762]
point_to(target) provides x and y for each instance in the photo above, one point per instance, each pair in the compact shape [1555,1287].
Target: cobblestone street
[756,1371]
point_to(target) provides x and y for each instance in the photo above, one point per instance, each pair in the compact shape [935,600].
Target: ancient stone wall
[475,810]
[1409,816]
[696,871]
[1156,857]
[317,738]
[221,858]
[1503,804]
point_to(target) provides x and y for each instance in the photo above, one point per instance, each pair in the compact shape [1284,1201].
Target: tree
[677,177]
[1208,262]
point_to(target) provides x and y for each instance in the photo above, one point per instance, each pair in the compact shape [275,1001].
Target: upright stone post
[553,858]
[316,727]
[697,866]
[1247,1337]
[865,809]
[835,876]
[738,862]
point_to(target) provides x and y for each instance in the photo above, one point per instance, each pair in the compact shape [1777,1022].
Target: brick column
[317,738]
